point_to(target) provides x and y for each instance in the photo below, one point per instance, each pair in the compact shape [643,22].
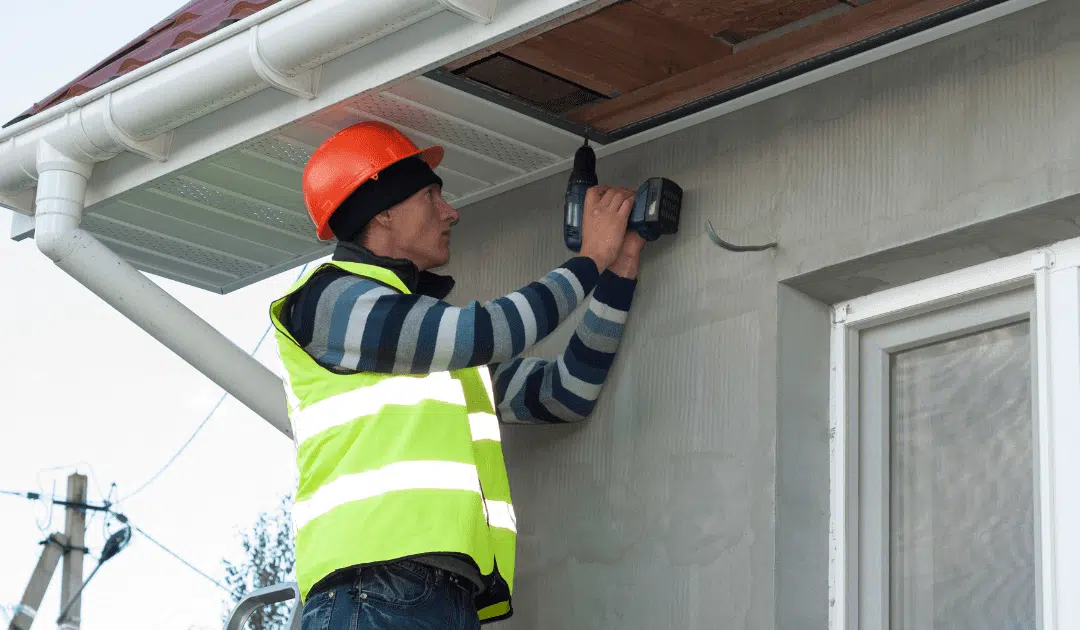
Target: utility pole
[54,547]
[75,529]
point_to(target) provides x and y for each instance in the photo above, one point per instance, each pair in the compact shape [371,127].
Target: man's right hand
[603,224]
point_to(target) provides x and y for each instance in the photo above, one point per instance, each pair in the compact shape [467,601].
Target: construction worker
[403,513]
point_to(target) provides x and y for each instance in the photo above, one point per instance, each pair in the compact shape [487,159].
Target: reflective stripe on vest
[394,466]
[402,476]
[484,426]
[365,401]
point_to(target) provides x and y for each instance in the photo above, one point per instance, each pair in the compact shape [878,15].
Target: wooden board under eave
[619,49]
[497,47]
[713,16]
[775,15]
[771,56]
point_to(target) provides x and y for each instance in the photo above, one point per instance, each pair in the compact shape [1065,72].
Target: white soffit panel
[238,216]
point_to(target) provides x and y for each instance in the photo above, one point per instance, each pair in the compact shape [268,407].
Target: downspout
[61,195]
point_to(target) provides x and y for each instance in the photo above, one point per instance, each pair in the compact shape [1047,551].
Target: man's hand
[626,264]
[603,224]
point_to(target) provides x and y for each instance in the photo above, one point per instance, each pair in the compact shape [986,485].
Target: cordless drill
[656,205]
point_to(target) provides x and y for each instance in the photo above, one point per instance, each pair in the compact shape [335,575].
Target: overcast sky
[82,386]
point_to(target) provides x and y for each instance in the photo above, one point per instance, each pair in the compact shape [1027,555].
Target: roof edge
[50,100]
[29,122]
[138,112]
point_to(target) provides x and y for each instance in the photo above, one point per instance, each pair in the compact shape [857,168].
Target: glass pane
[962,504]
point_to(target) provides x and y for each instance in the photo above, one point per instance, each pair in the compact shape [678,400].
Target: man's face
[421,226]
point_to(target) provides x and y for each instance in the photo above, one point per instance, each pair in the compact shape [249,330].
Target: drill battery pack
[656,208]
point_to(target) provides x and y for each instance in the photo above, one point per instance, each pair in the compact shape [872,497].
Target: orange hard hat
[349,158]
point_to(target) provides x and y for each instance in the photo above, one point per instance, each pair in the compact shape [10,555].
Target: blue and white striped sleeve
[356,324]
[533,391]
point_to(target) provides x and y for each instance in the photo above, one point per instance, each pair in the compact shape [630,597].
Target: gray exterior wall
[697,494]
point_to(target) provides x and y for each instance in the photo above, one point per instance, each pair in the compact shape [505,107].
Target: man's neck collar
[421,282]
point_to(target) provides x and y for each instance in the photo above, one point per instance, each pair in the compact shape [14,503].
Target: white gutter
[282,47]
[61,193]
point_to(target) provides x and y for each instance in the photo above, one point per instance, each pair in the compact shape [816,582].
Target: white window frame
[1054,273]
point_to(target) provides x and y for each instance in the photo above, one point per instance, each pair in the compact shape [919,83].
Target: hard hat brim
[432,155]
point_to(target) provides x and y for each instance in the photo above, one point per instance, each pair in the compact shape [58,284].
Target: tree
[269,558]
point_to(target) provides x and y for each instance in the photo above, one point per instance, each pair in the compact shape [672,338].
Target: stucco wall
[661,510]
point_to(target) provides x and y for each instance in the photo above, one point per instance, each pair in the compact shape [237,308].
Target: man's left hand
[626,265]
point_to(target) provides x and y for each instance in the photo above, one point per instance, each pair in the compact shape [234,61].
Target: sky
[83,388]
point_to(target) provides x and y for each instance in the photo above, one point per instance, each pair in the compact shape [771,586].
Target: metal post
[26,611]
[75,528]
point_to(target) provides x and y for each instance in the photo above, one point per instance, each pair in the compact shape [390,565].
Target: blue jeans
[404,594]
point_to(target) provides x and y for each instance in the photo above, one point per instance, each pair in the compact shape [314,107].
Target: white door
[956,451]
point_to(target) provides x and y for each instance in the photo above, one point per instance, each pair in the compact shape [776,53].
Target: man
[403,512]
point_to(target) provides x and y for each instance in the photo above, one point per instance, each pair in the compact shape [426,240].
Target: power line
[49,512]
[205,420]
[185,562]
[93,473]
[92,476]
[182,448]
[37,496]
[194,433]
[34,496]
[41,489]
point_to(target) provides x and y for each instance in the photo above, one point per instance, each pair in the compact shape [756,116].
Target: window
[947,470]
[954,447]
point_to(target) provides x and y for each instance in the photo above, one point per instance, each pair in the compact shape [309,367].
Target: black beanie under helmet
[395,184]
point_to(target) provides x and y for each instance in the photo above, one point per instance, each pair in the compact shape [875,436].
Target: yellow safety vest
[396,466]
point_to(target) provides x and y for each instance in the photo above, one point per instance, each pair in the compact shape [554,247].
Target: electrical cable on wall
[734,248]
[205,420]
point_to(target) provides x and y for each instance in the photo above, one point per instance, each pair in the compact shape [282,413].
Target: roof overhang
[199,154]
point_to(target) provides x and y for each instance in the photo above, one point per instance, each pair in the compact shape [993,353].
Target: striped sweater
[348,323]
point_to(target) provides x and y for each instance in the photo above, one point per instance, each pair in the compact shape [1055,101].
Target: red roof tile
[190,23]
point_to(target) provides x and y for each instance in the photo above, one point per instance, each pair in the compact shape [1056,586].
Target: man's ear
[383,218]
